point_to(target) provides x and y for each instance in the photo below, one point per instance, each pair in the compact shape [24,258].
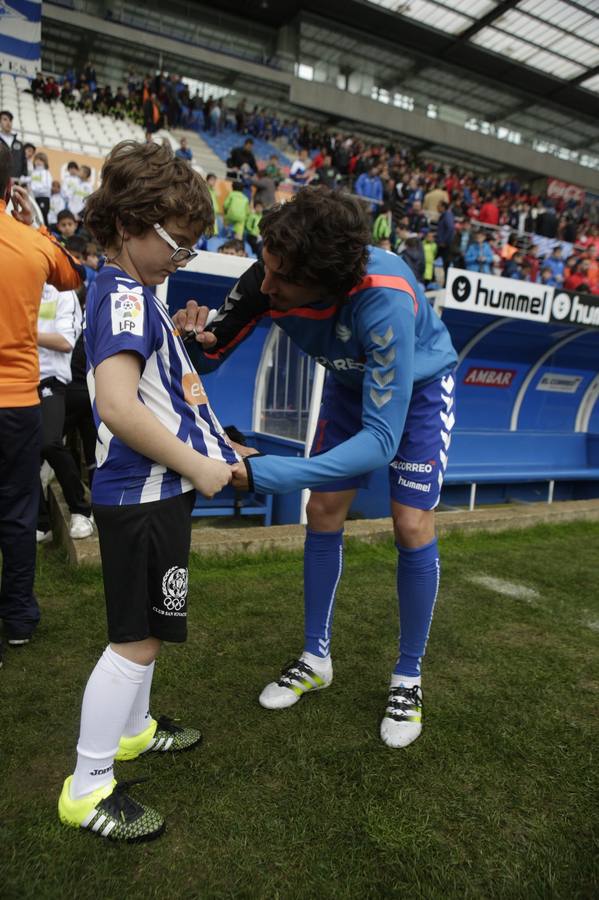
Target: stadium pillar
[287,46]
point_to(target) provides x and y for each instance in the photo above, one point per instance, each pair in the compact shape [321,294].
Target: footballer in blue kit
[388,400]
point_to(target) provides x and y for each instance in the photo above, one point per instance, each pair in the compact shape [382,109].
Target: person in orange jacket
[29,259]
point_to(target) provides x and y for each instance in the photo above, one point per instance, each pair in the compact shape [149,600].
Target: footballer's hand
[212,476]
[242,450]
[240,477]
[191,322]
[22,208]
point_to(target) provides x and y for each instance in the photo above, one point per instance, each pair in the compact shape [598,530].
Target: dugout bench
[512,457]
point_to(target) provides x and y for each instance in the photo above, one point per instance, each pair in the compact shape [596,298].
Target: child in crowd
[512,267]
[78,247]
[69,182]
[236,208]
[91,257]
[252,228]
[66,225]
[546,276]
[82,188]
[57,204]
[29,154]
[429,246]
[41,184]
[273,170]
[211,185]
[158,440]
[556,264]
[234,247]
[381,230]
[58,328]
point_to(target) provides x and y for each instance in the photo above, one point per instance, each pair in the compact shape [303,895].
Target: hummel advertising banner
[575,309]
[495,296]
[20,34]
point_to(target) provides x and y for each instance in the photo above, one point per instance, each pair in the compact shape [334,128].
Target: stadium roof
[533,50]
[525,71]
[560,37]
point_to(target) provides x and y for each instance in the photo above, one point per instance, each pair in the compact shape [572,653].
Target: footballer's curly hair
[322,237]
[142,185]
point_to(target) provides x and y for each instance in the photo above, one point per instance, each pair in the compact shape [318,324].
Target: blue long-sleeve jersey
[380,341]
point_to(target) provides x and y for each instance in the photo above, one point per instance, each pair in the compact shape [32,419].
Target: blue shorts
[417,469]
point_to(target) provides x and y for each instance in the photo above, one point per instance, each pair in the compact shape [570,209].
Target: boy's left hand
[240,477]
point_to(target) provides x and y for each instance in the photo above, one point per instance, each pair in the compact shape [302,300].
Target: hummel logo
[379,400]
[383,359]
[383,340]
[342,332]
[383,380]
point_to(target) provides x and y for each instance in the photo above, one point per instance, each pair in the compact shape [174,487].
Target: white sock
[320,664]
[107,701]
[140,716]
[407,680]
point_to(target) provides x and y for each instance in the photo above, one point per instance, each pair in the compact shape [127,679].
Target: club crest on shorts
[127,313]
[174,588]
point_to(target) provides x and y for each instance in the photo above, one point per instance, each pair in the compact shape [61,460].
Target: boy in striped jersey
[158,442]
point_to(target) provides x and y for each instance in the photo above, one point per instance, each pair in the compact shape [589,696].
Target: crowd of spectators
[475,221]
[153,101]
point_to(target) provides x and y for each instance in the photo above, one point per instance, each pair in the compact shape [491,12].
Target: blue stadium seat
[509,457]
[223,142]
[230,502]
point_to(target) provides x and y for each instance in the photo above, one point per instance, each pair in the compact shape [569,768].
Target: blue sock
[323,564]
[417,585]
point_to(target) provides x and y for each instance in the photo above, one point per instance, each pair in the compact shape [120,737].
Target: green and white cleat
[109,812]
[297,679]
[402,722]
[160,735]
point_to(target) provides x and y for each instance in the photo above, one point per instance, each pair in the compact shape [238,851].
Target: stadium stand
[521,223]
[223,143]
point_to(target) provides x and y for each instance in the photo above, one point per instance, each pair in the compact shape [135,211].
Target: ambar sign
[499,378]
[498,296]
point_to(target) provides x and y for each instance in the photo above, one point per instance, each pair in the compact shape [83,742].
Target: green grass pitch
[498,798]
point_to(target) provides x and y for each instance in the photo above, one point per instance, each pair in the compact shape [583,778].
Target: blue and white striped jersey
[121,316]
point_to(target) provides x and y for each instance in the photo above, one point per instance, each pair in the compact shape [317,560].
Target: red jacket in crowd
[489,213]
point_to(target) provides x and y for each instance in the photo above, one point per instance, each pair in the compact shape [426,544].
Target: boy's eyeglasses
[181,254]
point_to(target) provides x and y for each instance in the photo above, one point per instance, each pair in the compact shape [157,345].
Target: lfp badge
[127,313]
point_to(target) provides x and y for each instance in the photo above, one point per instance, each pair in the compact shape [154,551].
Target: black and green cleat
[109,812]
[160,735]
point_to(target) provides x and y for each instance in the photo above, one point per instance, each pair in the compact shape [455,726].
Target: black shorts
[145,553]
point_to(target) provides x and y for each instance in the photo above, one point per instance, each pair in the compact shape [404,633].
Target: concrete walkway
[254,539]
[203,155]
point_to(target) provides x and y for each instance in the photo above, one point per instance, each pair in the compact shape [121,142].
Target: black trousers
[44,205]
[52,395]
[79,416]
[20,439]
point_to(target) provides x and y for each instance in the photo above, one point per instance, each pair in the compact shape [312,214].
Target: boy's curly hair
[322,236]
[144,184]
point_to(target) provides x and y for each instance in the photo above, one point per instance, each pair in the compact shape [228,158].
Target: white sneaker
[297,678]
[402,722]
[42,537]
[18,642]
[46,476]
[81,526]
